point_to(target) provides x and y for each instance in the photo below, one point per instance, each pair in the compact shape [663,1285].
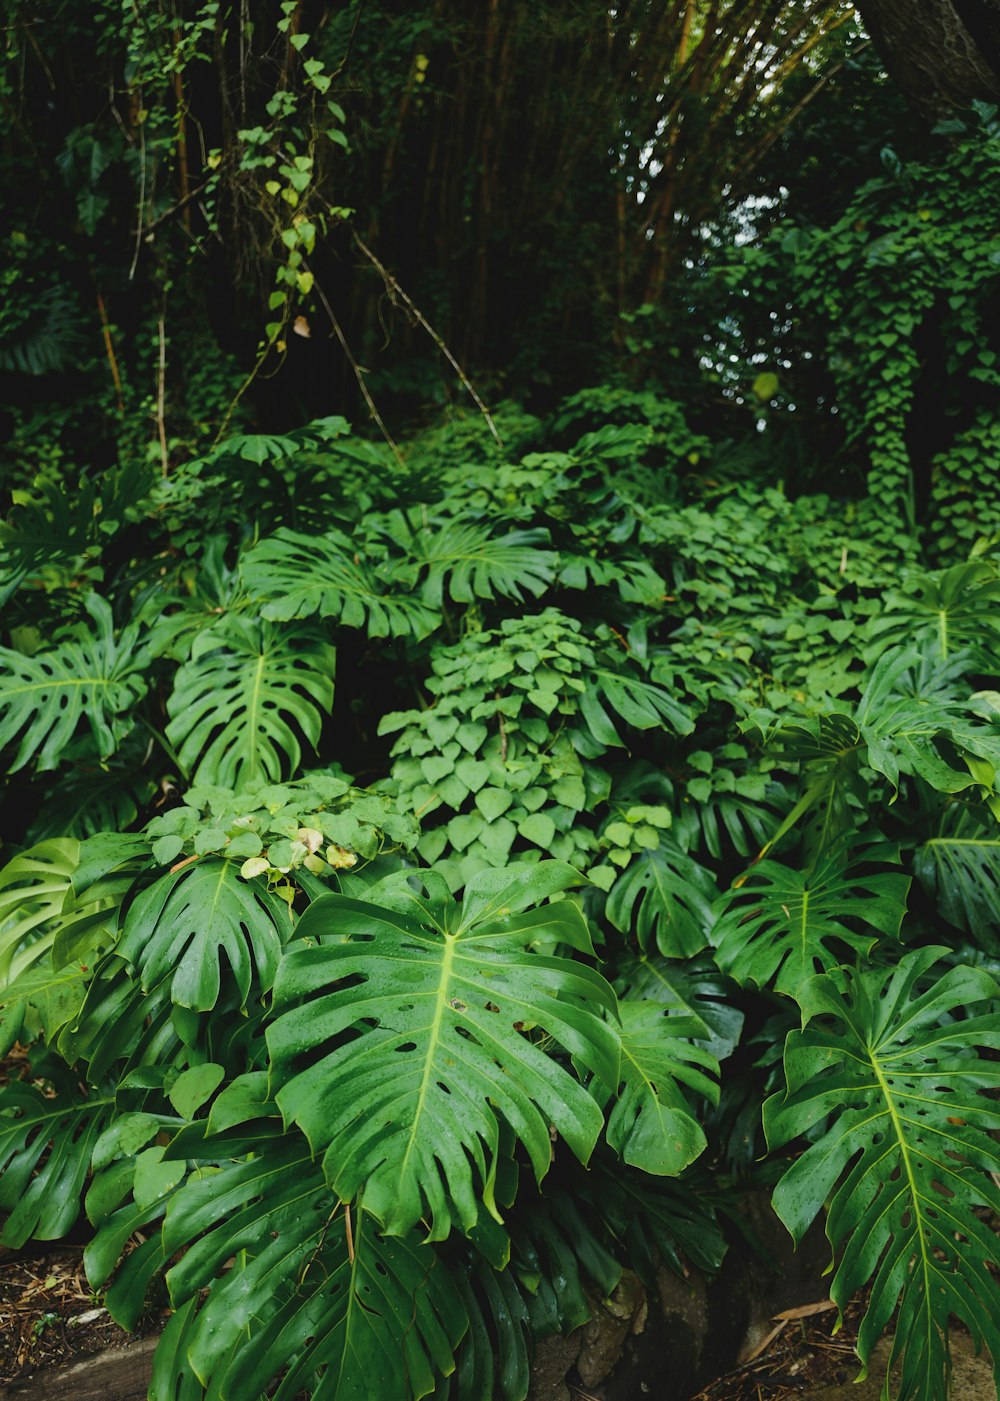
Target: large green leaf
[643,704]
[177,928]
[561,1255]
[960,870]
[45,1148]
[664,898]
[652,1220]
[323,1303]
[952,609]
[121,1024]
[828,750]
[912,707]
[41,998]
[467,561]
[301,575]
[90,676]
[34,889]
[651,1123]
[774,925]
[693,987]
[248,692]
[414,1033]
[901,1111]
[50,936]
[493,1358]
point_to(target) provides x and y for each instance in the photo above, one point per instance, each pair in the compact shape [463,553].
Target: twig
[359,375]
[349,1232]
[179,866]
[109,347]
[142,195]
[161,380]
[174,209]
[395,290]
[350,42]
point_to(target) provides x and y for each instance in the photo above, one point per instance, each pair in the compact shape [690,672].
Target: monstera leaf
[315,1296]
[468,562]
[634,700]
[774,925]
[693,987]
[90,676]
[403,1040]
[665,898]
[828,750]
[494,1357]
[301,575]
[953,609]
[46,925]
[651,1124]
[654,1220]
[45,1148]
[960,870]
[248,692]
[914,704]
[902,1113]
[177,928]
[34,889]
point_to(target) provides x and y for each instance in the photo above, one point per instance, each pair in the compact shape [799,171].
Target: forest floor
[49,1315]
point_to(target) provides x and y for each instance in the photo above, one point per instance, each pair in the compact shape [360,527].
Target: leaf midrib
[51,685]
[915,1196]
[450,943]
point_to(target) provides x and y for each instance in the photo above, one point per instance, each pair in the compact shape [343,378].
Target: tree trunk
[943,54]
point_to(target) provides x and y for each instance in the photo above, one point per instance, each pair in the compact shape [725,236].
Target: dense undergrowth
[438,878]
[679,796]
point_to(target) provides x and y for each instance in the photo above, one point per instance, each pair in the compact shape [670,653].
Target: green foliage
[362,1042]
[890,1074]
[898,289]
[776,922]
[439,988]
[92,676]
[658,760]
[240,702]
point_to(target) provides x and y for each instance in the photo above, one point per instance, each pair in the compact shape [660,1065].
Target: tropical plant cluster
[687,802]
[440,875]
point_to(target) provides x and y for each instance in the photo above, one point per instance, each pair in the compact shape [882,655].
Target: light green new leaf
[46,925]
[373,1317]
[473,564]
[907,1112]
[34,888]
[416,1031]
[178,927]
[248,692]
[301,575]
[664,898]
[89,677]
[775,924]
[45,1148]
[651,1124]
